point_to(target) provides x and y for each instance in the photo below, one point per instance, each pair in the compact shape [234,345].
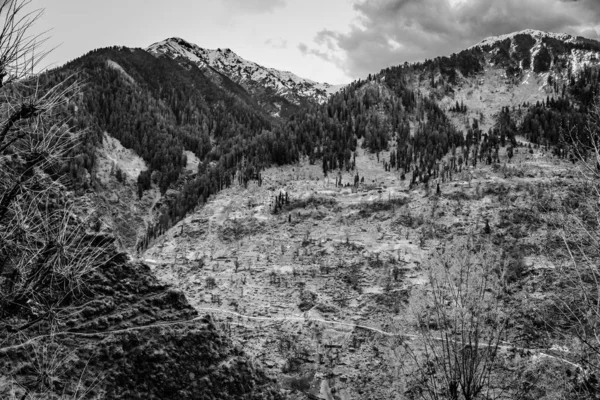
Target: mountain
[342,250]
[177,103]
[510,70]
[541,51]
[273,87]
[114,331]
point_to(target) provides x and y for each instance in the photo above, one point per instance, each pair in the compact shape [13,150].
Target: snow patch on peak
[531,32]
[246,73]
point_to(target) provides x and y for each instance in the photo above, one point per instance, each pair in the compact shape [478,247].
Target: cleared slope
[353,258]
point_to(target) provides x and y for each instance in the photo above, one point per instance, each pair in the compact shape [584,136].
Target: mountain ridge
[248,74]
[522,67]
[532,32]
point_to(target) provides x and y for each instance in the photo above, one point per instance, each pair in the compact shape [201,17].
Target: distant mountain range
[208,102]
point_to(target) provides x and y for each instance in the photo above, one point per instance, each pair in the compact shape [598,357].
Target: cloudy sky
[333,41]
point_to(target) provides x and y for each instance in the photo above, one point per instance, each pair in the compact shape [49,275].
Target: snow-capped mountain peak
[534,33]
[252,76]
[542,51]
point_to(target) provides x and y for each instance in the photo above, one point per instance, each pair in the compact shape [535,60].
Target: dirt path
[506,347]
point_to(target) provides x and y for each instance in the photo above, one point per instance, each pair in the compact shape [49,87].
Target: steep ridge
[268,84]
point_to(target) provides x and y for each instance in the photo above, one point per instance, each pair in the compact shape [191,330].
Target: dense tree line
[561,122]
[379,111]
[158,108]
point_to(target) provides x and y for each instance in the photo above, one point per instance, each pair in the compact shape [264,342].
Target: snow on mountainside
[543,51]
[504,71]
[252,76]
[490,41]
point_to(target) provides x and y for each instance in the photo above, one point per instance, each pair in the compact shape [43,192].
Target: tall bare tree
[45,252]
[461,322]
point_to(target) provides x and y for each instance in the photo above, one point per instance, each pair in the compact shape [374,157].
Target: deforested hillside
[418,249]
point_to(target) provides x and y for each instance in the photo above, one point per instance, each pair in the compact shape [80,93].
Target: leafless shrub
[46,376]
[577,297]
[461,322]
[46,253]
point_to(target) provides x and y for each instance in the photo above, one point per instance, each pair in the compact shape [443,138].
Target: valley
[178,222]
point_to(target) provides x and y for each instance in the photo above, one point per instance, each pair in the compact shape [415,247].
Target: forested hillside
[561,122]
[382,112]
[159,107]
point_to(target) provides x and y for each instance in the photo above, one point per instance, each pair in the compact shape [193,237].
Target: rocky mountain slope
[319,269]
[306,238]
[504,71]
[323,291]
[274,88]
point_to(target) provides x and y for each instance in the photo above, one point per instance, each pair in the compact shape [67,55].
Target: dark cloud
[390,32]
[255,6]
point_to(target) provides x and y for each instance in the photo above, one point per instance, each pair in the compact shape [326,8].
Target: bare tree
[45,251]
[461,322]
[577,298]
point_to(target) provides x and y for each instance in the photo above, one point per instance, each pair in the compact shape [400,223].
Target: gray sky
[331,41]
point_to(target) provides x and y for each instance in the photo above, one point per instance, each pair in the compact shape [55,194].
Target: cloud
[328,56]
[390,32]
[277,43]
[255,6]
